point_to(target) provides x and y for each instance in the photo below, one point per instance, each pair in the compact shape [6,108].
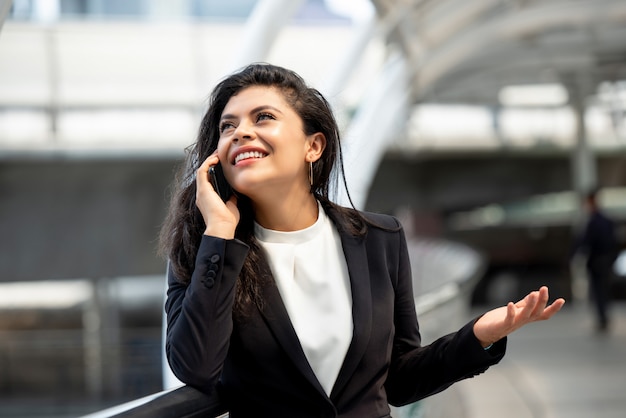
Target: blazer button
[209,282]
[215,258]
[211,274]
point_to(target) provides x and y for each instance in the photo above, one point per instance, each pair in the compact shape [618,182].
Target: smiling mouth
[249,155]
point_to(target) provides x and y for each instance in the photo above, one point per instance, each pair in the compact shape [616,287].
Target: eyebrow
[253,111]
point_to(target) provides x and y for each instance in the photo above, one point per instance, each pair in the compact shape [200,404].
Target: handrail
[182,402]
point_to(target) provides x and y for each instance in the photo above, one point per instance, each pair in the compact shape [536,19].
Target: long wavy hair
[183,228]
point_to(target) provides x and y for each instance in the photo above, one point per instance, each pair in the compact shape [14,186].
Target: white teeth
[245,155]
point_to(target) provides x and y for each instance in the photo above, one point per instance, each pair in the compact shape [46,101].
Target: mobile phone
[221,186]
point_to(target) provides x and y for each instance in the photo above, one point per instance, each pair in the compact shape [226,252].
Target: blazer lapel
[356,260]
[277,319]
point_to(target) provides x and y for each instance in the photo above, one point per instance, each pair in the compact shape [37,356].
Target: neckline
[291,237]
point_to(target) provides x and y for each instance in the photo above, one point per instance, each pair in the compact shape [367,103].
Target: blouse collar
[292,237]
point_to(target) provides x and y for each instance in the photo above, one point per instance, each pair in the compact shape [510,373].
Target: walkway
[555,369]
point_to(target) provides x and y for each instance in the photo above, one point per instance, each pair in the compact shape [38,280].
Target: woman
[280,302]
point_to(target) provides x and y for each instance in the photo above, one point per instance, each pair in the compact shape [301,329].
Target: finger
[530,305]
[525,301]
[542,301]
[202,174]
[552,309]
[210,160]
[510,314]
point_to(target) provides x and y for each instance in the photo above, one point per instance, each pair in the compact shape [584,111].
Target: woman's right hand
[220,218]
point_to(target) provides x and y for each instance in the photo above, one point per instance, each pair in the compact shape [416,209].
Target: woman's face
[262,147]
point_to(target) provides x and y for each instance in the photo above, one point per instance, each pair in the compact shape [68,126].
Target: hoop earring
[311,173]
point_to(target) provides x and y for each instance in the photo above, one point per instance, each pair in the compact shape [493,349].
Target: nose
[243,131]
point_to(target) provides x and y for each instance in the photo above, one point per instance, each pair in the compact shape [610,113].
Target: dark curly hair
[183,228]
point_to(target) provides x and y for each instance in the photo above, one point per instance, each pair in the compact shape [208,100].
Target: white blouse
[310,271]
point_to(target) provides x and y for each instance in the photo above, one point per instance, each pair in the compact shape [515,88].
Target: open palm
[500,322]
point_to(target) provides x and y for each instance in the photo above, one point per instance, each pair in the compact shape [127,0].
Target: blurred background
[479,123]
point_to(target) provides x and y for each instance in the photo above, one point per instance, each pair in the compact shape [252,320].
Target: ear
[316,144]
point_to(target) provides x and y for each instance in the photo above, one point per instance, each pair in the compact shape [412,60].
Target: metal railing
[184,401]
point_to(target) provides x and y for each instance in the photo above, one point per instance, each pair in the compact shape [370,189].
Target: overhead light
[533,95]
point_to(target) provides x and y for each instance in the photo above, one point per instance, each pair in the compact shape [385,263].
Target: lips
[246,155]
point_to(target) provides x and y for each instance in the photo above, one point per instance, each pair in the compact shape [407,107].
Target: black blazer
[256,365]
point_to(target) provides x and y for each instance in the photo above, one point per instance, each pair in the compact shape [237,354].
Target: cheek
[222,151]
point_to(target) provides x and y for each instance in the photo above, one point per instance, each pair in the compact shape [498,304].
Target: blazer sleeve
[199,314]
[418,371]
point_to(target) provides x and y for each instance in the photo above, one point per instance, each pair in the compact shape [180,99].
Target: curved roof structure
[467,50]
[409,53]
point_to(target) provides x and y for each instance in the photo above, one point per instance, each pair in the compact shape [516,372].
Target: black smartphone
[221,186]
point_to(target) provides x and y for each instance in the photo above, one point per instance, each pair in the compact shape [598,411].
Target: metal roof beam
[522,24]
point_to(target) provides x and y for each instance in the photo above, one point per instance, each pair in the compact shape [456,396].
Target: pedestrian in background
[598,242]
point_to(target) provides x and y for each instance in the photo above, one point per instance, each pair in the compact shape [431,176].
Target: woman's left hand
[500,322]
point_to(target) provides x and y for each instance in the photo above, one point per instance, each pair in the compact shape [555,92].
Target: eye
[226,125]
[264,116]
